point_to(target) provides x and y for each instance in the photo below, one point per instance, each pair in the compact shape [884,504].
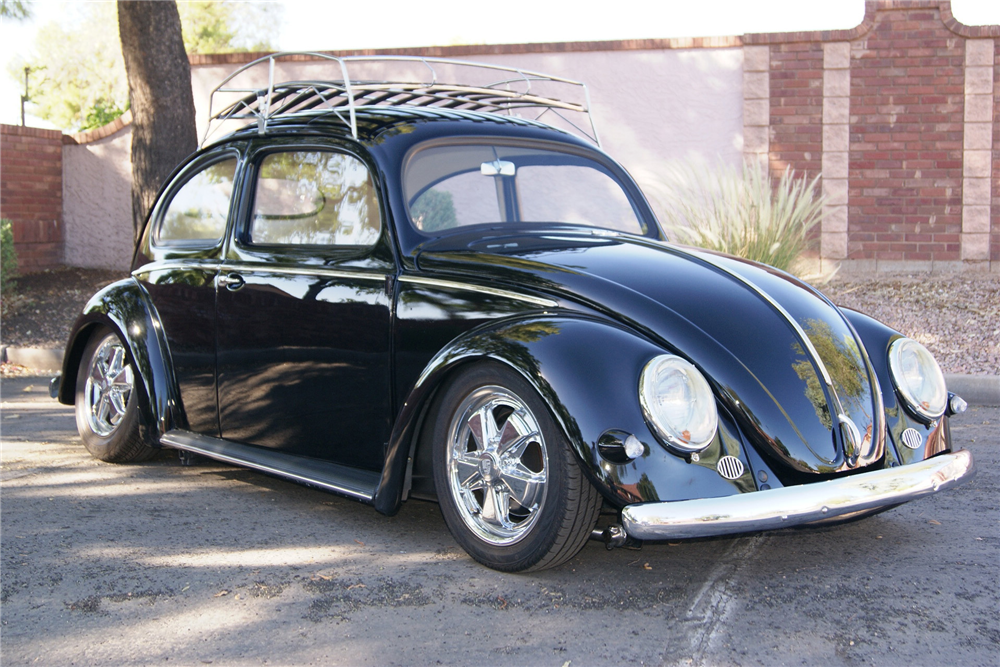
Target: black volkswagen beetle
[394,290]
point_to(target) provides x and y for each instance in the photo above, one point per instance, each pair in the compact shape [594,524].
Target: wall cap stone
[98,133]
[872,7]
[23,131]
[202,59]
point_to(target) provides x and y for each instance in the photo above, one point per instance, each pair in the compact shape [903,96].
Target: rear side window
[318,198]
[198,211]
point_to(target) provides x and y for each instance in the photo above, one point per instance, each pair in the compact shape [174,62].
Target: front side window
[314,198]
[456,186]
[198,211]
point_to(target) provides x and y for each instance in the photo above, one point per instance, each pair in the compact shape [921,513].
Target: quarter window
[314,198]
[199,210]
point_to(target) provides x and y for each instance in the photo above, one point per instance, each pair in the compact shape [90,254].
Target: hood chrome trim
[878,419]
[799,331]
[492,291]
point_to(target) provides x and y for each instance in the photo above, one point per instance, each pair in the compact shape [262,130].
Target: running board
[359,484]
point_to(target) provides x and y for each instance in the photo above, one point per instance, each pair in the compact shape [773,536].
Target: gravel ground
[48,303]
[957,316]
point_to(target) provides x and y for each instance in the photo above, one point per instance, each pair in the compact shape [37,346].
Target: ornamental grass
[742,211]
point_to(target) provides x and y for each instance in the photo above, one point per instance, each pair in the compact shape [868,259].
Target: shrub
[743,212]
[8,262]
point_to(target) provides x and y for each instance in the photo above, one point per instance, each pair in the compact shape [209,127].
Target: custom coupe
[396,289]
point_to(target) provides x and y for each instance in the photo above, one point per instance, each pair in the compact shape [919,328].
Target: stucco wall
[651,107]
[97,202]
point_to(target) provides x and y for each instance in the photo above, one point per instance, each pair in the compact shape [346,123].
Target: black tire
[480,480]
[107,402]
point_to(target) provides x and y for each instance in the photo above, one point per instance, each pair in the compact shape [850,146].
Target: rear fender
[125,308]
[587,371]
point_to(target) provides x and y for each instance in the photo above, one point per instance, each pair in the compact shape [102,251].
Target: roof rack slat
[310,98]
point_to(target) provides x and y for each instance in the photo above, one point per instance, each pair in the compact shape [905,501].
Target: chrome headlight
[678,402]
[918,378]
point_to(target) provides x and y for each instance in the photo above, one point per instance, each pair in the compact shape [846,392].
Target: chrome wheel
[109,385]
[497,465]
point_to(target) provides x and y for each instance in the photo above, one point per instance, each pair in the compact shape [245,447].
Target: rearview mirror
[497,168]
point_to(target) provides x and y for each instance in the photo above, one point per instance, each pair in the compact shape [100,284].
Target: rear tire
[107,402]
[510,488]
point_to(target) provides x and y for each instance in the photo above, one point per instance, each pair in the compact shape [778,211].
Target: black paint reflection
[184,298]
[304,365]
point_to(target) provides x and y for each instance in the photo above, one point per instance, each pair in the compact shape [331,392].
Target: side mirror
[497,168]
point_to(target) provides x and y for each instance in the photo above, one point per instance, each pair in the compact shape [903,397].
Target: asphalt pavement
[210,564]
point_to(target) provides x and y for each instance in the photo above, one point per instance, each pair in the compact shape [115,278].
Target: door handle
[232,281]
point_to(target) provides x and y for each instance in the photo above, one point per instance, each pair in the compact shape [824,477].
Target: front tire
[107,402]
[509,486]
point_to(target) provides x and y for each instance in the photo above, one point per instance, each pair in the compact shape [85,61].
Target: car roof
[374,123]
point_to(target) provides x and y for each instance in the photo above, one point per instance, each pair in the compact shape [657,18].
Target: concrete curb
[32,357]
[975,389]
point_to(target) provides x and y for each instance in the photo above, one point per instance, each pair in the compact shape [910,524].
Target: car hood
[782,359]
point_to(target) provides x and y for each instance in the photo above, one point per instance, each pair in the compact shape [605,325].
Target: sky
[310,25]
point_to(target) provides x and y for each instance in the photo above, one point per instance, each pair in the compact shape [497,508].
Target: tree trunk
[159,82]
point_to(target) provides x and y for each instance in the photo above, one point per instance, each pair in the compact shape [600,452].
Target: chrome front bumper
[797,505]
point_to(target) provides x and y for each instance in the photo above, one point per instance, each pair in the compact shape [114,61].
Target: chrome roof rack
[518,91]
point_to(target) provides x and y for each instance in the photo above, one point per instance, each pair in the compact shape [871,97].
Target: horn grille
[730,467]
[912,438]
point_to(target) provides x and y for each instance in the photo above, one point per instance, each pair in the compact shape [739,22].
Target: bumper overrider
[797,505]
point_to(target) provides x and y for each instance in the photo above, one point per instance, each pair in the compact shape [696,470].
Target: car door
[178,261]
[304,310]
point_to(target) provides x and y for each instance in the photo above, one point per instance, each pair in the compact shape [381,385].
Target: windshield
[453,186]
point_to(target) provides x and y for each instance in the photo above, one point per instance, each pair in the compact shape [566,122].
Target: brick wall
[907,104]
[796,85]
[902,116]
[31,194]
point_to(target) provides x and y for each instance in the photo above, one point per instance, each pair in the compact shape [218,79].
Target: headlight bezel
[672,435]
[917,405]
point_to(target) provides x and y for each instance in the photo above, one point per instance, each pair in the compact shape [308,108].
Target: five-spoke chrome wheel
[109,385]
[497,465]
[108,390]
[510,488]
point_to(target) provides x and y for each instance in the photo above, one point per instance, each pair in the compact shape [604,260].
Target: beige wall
[651,107]
[97,202]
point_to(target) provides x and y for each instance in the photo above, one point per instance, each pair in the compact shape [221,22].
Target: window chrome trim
[303,271]
[492,291]
[169,264]
[164,265]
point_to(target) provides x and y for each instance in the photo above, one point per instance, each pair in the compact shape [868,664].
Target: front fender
[587,371]
[936,436]
[125,308]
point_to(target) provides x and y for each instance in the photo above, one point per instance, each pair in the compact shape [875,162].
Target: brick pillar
[836,147]
[977,158]
[756,104]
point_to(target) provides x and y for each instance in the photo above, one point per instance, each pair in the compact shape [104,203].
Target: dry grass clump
[742,211]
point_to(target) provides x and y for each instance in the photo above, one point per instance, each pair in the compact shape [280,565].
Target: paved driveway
[163,564]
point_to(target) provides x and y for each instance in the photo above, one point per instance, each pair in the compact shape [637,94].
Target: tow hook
[187,458]
[614,536]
